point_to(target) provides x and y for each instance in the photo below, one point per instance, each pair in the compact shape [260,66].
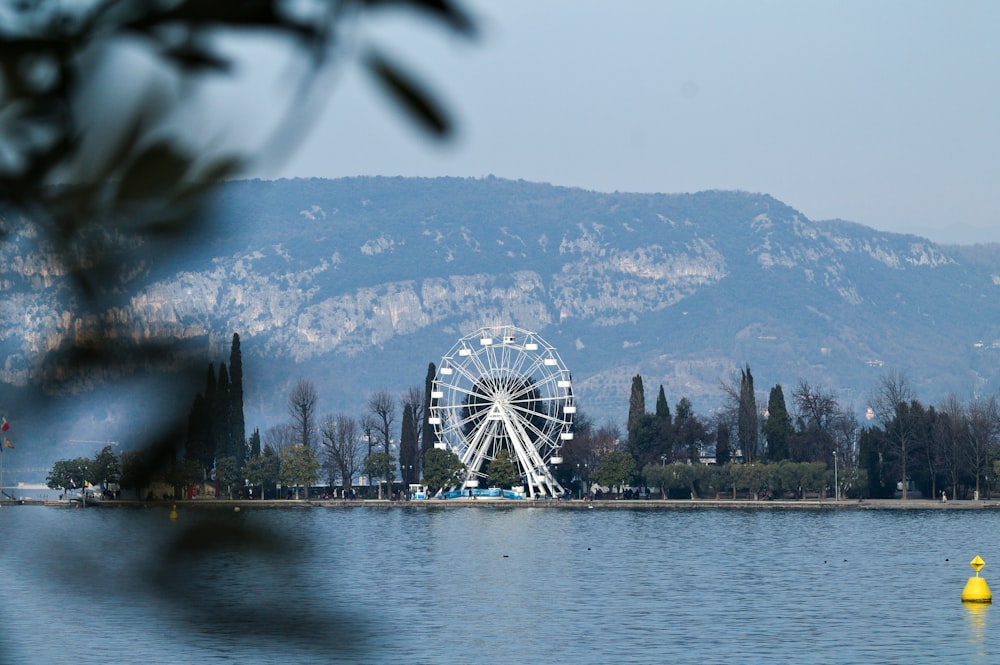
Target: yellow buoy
[976,589]
[173,512]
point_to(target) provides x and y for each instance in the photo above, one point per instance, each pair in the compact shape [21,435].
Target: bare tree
[982,429]
[414,396]
[382,407]
[589,443]
[369,429]
[302,408]
[845,435]
[279,437]
[891,404]
[816,414]
[339,436]
[949,435]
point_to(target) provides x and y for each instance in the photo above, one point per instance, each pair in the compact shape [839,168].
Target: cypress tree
[255,443]
[747,422]
[778,426]
[636,406]
[427,436]
[196,447]
[662,408]
[221,425]
[408,447]
[237,426]
[663,424]
[208,451]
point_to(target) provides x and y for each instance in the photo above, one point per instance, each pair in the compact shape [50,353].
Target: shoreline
[574,504]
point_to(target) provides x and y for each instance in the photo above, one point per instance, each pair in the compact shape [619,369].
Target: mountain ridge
[357,283]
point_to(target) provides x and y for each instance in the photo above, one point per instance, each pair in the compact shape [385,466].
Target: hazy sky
[881,112]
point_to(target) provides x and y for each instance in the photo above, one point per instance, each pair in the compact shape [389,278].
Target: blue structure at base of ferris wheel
[490,493]
[499,389]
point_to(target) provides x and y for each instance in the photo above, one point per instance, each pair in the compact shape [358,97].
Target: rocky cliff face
[357,284]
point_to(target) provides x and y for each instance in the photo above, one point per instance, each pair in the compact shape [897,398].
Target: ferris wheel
[504,389]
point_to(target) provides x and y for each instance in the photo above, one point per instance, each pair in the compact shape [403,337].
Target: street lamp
[836,485]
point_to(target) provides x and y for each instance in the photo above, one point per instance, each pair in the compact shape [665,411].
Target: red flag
[5,426]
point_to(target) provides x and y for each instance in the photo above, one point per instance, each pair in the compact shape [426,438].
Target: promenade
[548,504]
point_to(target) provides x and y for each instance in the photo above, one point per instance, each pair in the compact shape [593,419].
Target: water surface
[488,585]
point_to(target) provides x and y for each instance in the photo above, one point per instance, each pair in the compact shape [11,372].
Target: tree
[615,469]
[222,415]
[950,432]
[414,397]
[442,469]
[380,465]
[185,474]
[982,429]
[890,403]
[199,446]
[664,426]
[298,466]
[382,407]
[237,424]
[502,471]
[254,443]
[302,409]
[409,451]
[427,436]
[340,437]
[817,412]
[747,422]
[871,458]
[68,474]
[636,406]
[690,434]
[227,474]
[135,473]
[263,471]
[662,410]
[723,438]
[105,469]
[676,476]
[211,388]
[644,440]
[279,437]
[777,428]
[581,453]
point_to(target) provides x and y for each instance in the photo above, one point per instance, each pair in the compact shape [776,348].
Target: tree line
[304,451]
[781,447]
[787,448]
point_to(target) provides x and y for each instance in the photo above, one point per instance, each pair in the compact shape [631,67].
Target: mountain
[357,284]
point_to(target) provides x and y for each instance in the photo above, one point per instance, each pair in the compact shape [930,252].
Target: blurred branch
[98,161]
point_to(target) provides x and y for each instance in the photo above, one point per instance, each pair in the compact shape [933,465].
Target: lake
[494,585]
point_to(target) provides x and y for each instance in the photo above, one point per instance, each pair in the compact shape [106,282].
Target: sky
[881,112]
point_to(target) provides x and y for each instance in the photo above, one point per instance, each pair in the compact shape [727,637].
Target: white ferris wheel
[504,388]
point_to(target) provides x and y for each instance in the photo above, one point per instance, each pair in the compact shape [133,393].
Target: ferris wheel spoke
[539,435]
[533,414]
[548,383]
[464,371]
[484,368]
